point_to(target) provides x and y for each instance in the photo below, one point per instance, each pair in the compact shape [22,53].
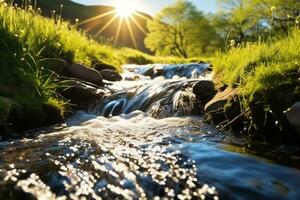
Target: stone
[80,94]
[5,109]
[84,73]
[102,66]
[223,107]
[53,114]
[219,100]
[8,90]
[293,116]
[204,91]
[58,65]
[148,71]
[111,75]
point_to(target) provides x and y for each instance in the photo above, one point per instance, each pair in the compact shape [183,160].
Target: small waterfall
[161,91]
[167,71]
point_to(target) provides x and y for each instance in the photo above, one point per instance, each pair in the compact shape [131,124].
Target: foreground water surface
[144,142]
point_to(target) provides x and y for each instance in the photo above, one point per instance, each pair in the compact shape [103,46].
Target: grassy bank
[30,46]
[265,74]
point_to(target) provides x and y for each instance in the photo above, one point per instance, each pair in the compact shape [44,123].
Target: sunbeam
[118,31]
[140,15]
[97,17]
[106,25]
[131,33]
[137,24]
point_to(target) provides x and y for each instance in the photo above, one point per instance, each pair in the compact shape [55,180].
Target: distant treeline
[182,30]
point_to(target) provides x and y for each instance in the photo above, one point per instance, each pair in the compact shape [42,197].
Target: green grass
[30,46]
[260,67]
[58,38]
[131,56]
[266,77]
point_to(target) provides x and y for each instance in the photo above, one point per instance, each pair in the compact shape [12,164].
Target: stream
[145,141]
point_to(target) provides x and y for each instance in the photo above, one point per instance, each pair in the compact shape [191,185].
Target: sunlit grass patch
[30,47]
[267,77]
[259,66]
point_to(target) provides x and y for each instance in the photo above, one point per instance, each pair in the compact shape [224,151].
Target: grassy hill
[30,48]
[72,11]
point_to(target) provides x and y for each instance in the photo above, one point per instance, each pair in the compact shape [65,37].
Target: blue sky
[153,6]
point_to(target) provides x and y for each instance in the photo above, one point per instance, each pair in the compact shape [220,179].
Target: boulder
[58,65]
[8,90]
[223,107]
[293,116]
[219,100]
[204,91]
[53,114]
[80,94]
[84,73]
[20,117]
[111,75]
[102,66]
[5,109]
[148,71]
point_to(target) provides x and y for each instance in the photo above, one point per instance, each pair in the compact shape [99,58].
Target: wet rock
[53,114]
[24,117]
[219,100]
[158,71]
[111,75]
[204,91]
[293,116]
[223,107]
[184,103]
[80,94]
[148,72]
[84,73]
[5,109]
[59,65]
[10,191]
[208,70]
[8,90]
[102,66]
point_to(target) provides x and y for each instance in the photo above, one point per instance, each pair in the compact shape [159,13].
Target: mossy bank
[266,80]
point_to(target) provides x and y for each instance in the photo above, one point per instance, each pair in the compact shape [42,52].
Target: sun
[126,13]
[124,10]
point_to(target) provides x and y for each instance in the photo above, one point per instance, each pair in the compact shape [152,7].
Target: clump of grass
[59,38]
[259,67]
[267,80]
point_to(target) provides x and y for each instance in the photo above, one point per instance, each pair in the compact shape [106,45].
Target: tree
[281,15]
[249,20]
[180,30]
[236,20]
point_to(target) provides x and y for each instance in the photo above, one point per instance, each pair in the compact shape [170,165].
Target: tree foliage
[180,30]
[251,20]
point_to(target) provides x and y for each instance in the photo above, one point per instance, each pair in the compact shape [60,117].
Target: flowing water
[144,142]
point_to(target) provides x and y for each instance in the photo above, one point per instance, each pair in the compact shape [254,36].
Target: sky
[153,6]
